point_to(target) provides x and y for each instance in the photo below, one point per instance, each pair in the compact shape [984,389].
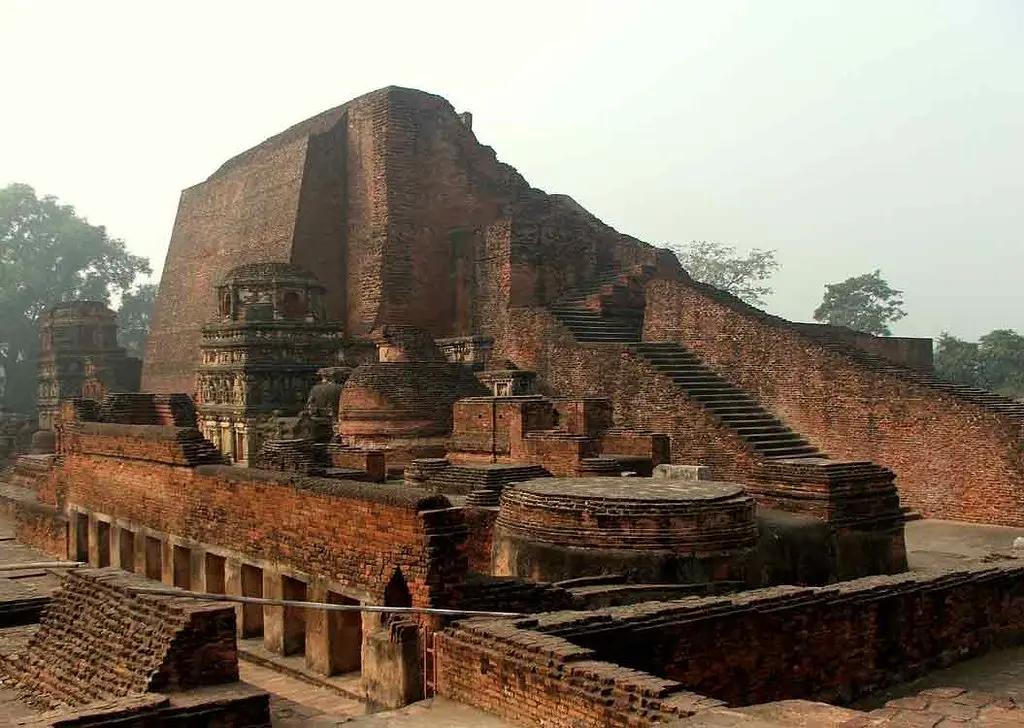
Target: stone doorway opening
[82,537]
[252,614]
[154,559]
[294,628]
[102,544]
[126,549]
[344,635]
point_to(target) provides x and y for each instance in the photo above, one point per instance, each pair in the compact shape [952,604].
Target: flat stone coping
[632,489]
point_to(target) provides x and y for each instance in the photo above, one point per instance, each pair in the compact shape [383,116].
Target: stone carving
[259,358]
[323,398]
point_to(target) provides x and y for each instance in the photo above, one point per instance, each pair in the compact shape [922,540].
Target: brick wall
[953,459]
[781,643]
[371,529]
[401,212]
[642,399]
[132,643]
[242,215]
[38,525]
[530,679]
[916,353]
[758,646]
[477,546]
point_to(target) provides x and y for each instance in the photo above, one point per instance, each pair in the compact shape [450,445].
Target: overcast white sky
[847,135]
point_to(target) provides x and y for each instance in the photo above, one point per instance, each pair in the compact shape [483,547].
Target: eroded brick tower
[79,357]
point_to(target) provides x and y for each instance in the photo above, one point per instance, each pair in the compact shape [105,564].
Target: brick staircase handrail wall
[956,455]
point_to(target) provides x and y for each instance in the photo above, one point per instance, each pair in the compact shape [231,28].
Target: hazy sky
[847,135]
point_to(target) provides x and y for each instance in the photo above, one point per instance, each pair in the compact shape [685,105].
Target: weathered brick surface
[403,214]
[235,706]
[600,667]
[98,640]
[532,679]
[152,443]
[953,458]
[41,526]
[477,547]
[782,642]
[355,533]
[642,399]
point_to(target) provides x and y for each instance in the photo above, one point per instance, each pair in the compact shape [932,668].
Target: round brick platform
[553,529]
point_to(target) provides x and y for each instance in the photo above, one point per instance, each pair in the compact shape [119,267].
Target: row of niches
[271,292]
[247,389]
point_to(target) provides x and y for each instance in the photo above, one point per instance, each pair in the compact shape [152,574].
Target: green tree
[957,360]
[49,254]
[995,361]
[864,303]
[1002,361]
[719,265]
[134,316]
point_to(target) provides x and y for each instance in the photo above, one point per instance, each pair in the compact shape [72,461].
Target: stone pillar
[392,666]
[94,542]
[233,586]
[167,562]
[273,617]
[197,570]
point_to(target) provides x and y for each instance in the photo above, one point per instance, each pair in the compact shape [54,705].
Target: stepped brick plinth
[420,471]
[653,531]
[599,467]
[839,492]
[482,484]
[147,408]
[30,471]
[299,455]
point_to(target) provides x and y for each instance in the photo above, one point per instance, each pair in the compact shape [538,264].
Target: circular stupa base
[666,532]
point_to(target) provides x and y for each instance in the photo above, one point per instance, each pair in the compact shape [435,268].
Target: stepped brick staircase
[592,326]
[984,398]
[483,484]
[724,401]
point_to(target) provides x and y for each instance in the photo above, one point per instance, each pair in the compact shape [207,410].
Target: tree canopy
[865,303]
[995,361]
[134,316]
[49,254]
[719,265]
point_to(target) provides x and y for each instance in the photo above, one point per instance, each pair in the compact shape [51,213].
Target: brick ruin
[79,357]
[487,399]
[407,219]
[84,660]
[261,355]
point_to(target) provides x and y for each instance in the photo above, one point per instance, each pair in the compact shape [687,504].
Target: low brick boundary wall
[827,643]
